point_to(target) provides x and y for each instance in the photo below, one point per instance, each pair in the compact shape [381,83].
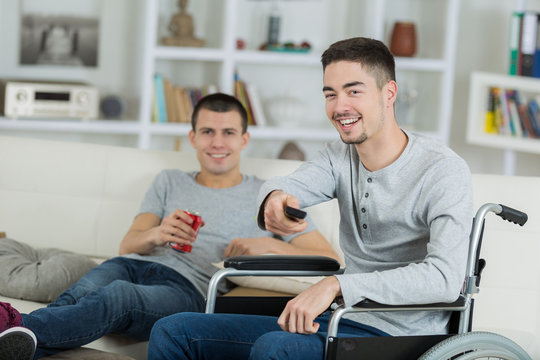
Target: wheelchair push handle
[512,215]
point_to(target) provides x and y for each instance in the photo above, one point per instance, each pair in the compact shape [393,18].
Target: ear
[245,139]
[390,93]
[191,136]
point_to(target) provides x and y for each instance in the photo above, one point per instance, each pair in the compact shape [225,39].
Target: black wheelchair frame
[459,344]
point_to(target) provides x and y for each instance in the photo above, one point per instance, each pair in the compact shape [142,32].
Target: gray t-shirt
[228,213]
[404,229]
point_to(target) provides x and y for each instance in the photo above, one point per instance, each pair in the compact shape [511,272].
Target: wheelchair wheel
[476,345]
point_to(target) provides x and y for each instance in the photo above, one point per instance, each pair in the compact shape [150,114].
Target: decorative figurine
[182,28]
[291,151]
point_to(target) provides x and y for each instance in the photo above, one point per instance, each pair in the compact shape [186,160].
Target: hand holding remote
[295,214]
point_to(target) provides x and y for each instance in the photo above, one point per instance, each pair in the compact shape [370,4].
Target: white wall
[483,46]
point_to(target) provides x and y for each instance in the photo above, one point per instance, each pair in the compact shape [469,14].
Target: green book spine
[515,36]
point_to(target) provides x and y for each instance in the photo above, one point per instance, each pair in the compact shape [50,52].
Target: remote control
[295,213]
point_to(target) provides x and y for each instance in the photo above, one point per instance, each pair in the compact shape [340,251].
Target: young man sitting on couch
[151,280]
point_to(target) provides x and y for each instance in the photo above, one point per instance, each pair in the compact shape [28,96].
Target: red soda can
[197,220]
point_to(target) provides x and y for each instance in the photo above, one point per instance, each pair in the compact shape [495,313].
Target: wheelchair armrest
[283,263]
[369,305]
[462,304]
[270,265]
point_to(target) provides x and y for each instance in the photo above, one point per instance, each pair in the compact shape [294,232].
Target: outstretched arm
[272,214]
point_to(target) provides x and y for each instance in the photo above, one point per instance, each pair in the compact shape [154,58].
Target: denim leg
[232,336]
[284,345]
[127,306]
[117,268]
[207,336]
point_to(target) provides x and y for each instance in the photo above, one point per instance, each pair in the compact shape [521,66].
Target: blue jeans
[123,296]
[232,336]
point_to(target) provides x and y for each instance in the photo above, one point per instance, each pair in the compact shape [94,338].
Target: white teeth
[348,121]
[218,155]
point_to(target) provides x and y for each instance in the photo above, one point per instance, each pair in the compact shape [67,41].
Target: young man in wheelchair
[406,210]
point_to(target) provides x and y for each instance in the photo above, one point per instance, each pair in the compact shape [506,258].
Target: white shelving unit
[434,103]
[221,22]
[478,100]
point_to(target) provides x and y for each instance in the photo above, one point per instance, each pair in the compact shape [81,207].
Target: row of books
[174,104]
[510,113]
[525,44]
[249,97]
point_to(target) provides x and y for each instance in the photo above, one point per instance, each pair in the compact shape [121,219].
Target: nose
[218,140]
[340,105]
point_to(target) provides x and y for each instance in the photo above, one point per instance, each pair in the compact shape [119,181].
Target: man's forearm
[137,241]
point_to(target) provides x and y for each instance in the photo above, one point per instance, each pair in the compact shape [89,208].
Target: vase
[403,40]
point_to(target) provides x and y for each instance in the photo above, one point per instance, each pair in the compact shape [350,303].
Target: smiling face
[218,140]
[355,105]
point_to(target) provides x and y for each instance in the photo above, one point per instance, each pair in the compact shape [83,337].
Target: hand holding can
[195,225]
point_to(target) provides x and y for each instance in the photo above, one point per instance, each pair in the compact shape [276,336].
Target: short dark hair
[220,102]
[371,53]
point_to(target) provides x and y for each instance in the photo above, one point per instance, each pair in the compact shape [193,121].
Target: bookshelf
[480,85]
[275,74]
[219,60]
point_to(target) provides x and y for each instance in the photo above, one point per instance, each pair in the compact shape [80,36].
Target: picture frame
[59,33]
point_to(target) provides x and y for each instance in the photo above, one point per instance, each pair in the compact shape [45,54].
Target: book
[179,103]
[251,115]
[154,105]
[188,106]
[528,43]
[256,104]
[534,114]
[240,94]
[490,125]
[521,104]
[515,36]
[515,123]
[160,98]
[504,114]
[536,64]
[169,100]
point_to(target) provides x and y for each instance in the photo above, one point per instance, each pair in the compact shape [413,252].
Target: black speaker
[112,107]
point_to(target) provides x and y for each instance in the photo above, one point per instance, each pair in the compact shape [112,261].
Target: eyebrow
[347,85]
[212,129]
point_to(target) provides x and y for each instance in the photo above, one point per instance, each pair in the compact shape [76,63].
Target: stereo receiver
[29,99]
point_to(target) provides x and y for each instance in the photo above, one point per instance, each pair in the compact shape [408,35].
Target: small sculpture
[182,28]
[291,151]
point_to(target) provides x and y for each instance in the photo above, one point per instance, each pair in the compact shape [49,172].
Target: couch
[82,198]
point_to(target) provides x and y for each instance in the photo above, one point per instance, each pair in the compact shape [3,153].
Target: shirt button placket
[363,210]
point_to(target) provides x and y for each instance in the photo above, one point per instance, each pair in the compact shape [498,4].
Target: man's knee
[173,325]
[285,345]
[168,338]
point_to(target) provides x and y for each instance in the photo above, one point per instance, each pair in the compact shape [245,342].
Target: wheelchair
[460,343]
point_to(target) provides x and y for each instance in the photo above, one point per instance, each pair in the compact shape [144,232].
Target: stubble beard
[363,137]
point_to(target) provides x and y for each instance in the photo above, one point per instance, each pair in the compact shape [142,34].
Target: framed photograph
[59,32]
